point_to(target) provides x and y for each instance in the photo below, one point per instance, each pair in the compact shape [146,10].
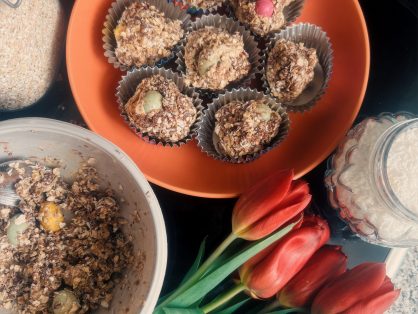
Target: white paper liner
[127,87]
[232,26]
[115,13]
[205,136]
[291,12]
[313,37]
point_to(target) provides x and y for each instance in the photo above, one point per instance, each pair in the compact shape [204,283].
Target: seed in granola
[65,302]
[16,227]
[152,101]
[51,216]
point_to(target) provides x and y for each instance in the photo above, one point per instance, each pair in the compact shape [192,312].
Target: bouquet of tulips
[280,256]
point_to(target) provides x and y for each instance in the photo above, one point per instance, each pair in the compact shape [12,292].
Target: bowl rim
[60,127]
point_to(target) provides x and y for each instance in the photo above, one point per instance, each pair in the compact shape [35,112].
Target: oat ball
[244,128]
[214,58]
[161,110]
[205,4]
[247,13]
[290,68]
[144,35]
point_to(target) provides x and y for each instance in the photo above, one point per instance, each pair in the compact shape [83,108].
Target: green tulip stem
[270,307]
[222,299]
[202,269]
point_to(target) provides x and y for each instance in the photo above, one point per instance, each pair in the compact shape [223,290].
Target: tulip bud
[264,8]
[325,265]
[365,285]
[268,205]
[266,273]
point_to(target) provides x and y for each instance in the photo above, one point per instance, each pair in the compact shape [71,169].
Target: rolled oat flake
[31,47]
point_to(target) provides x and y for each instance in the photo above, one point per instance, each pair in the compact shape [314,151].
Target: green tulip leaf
[196,263]
[192,269]
[169,310]
[233,308]
[211,280]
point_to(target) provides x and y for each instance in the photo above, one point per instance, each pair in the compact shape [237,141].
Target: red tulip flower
[363,289]
[269,271]
[269,205]
[264,8]
[325,265]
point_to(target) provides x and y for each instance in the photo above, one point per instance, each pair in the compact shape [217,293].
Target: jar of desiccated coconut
[31,36]
[373,179]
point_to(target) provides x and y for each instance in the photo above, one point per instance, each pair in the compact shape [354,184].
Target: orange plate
[313,135]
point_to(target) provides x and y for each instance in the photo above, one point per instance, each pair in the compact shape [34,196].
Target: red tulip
[264,8]
[266,273]
[268,205]
[325,265]
[363,289]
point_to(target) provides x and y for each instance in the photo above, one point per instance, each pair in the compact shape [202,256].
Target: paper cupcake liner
[313,37]
[115,13]
[193,10]
[291,12]
[207,125]
[232,26]
[127,87]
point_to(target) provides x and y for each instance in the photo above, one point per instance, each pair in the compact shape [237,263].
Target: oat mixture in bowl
[63,250]
[123,274]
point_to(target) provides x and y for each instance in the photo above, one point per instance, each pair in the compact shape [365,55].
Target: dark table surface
[393,86]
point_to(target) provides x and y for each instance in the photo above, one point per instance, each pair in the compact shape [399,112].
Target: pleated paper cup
[291,12]
[194,10]
[232,27]
[127,87]
[207,140]
[115,13]
[311,36]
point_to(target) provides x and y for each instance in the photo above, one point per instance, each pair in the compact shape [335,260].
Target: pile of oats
[243,128]
[172,121]
[86,256]
[262,25]
[144,35]
[214,58]
[205,4]
[290,68]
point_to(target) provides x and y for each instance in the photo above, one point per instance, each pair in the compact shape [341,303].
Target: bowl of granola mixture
[87,233]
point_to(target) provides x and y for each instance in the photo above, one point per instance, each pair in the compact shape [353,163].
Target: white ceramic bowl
[39,138]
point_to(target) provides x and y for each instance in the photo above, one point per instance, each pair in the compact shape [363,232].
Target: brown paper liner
[313,37]
[127,87]
[115,13]
[250,45]
[205,135]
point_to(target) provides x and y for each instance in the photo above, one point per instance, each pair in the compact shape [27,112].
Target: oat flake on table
[31,38]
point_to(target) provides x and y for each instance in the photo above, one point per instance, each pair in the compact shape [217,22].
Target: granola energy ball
[243,128]
[214,58]
[290,68]
[261,23]
[205,4]
[144,35]
[161,110]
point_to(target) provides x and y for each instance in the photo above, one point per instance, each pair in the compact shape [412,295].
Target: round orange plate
[312,137]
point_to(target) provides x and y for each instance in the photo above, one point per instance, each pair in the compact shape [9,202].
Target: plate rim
[312,165]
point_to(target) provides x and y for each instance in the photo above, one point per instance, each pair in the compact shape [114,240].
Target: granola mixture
[161,110]
[62,249]
[214,58]
[144,35]
[205,4]
[290,68]
[262,25]
[244,128]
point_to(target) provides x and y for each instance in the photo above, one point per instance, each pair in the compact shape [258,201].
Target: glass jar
[366,185]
